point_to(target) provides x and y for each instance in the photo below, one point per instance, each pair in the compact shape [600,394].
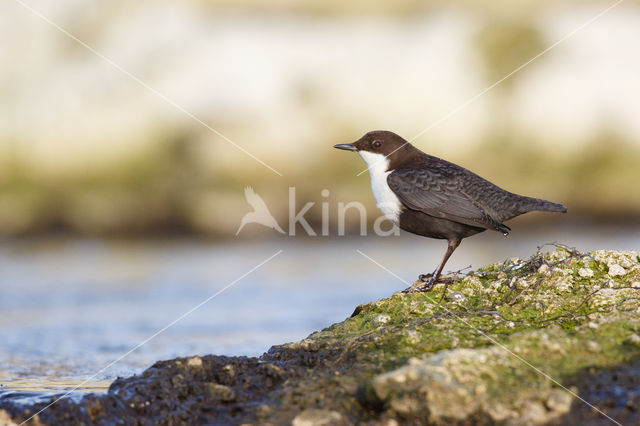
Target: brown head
[383,147]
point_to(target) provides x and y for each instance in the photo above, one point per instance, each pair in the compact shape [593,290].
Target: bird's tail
[529,204]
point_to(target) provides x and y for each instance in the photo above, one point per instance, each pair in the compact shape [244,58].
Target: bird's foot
[426,278]
[428,281]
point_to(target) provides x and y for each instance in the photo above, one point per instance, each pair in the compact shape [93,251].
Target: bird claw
[425,278]
[428,285]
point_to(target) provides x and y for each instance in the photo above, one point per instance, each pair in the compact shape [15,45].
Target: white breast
[386,200]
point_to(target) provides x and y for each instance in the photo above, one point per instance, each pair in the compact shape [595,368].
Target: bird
[431,197]
[260,213]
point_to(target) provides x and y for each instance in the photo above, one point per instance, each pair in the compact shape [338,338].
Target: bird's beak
[346,146]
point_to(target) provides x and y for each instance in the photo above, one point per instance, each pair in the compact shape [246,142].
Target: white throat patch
[386,200]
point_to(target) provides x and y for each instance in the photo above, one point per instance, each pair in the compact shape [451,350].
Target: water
[69,308]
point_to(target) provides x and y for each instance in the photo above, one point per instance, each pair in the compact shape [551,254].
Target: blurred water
[68,308]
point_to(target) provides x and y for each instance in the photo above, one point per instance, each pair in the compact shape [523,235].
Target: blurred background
[118,210]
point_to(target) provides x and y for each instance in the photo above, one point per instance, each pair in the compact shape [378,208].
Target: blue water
[68,308]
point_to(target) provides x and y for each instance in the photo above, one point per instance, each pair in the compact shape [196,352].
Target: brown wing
[440,193]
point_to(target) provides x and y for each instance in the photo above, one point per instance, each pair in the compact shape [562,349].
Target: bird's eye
[377,144]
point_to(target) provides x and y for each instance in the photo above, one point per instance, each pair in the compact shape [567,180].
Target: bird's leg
[453,244]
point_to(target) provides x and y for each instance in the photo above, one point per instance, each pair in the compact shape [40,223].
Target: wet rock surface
[537,341]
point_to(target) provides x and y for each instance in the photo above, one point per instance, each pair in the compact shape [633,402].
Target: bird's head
[380,147]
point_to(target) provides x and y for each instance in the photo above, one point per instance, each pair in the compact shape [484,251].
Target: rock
[221,392]
[543,269]
[272,370]
[634,339]
[559,400]
[449,387]
[593,346]
[616,270]
[229,371]
[592,324]
[483,355]
[195,362]
[456,296]
[263,411]
[381,319]
[585,272]
[319,418]
[426,389]
[533,413]
[413,337]
[5,419]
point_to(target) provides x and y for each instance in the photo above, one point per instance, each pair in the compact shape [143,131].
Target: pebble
[634,338]
[559,401]
[316,417]
[625,262]
[221,392]
[229,370]
[5,419]
[616,270]
[553,346]
[263,411]
[195,361]
[593,346]
[557,270]
[543,269]
[585,272]
[272,370]
[381,319]
[456,296]
[413,337]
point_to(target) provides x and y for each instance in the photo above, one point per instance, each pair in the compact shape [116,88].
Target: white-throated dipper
[428,196]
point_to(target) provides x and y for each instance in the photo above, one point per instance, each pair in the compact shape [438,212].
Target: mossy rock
[552,339]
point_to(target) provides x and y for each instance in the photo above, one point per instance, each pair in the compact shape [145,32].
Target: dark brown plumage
[429,196]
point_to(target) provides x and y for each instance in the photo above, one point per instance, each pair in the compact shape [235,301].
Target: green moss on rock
[500,345]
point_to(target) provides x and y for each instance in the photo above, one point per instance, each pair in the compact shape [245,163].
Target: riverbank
[527,341]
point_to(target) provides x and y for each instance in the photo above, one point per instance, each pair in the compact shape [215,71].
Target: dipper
[428,196]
